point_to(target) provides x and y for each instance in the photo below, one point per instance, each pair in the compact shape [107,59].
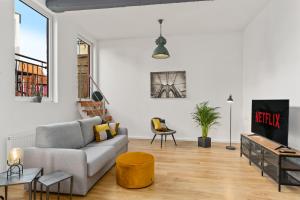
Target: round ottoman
[135,170]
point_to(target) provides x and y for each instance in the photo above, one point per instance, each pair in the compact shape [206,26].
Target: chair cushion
[98,157]
[63,135]
[87,128]
[156,123]
[117,142]
[159,124]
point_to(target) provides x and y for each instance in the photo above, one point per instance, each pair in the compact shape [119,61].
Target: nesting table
[52,179]
[33,176]
[29,177]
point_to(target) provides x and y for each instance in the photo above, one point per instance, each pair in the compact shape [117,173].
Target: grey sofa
[70,147]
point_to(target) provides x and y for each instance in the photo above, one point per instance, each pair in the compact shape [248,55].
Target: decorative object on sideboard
[168,84]
[14,163]
[38,93]
[206,117]
[230,102]
[160,52]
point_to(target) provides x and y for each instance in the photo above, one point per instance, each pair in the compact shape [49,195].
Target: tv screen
[270,118]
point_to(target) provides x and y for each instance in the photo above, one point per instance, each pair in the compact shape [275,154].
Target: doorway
[83,68]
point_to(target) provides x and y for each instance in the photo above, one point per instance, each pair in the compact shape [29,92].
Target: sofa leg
[165,138]
[153,138]
[161,140]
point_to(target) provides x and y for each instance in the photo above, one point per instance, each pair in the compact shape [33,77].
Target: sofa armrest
[123,131]
[72,161]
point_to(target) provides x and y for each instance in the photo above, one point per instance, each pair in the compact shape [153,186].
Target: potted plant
[206,117]
[38,93]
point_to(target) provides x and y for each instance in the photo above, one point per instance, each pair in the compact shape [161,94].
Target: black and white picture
[168,84]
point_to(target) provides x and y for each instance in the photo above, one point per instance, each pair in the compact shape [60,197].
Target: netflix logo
[268,118]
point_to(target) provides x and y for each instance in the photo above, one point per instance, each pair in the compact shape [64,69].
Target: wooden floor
[187,172]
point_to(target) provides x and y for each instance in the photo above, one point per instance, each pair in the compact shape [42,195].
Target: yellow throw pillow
[114,128]
[156,123]
[102,132]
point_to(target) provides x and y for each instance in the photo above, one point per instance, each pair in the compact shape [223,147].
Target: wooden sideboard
[283,168]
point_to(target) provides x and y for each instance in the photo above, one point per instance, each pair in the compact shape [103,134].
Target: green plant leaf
[206,117]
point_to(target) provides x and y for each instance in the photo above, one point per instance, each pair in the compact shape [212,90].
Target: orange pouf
[135,169]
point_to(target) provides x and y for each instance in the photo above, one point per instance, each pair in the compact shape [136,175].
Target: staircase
[97,107]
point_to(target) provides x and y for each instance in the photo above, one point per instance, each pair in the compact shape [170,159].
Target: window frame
[50,50]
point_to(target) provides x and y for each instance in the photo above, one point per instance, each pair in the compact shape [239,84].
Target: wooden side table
[52,179]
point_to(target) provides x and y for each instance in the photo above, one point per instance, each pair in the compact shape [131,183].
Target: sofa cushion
[62,135]
[102,132]
[117,142]
[87,128]
[98,157]
[114,128]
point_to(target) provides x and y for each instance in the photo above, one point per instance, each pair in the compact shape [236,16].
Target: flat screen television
[270,118]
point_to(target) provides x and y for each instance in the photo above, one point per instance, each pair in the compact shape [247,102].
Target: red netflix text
[268,118]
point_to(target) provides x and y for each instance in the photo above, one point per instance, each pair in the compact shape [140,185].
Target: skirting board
[182,139]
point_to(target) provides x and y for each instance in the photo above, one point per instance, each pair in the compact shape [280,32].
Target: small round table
[135,170]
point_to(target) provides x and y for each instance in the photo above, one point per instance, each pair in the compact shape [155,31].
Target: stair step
[90,103]
[95,112]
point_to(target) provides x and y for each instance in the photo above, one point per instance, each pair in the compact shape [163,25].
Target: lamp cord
[160,21]
[160,29]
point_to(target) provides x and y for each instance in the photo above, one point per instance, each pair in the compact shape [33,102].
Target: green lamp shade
[161,52]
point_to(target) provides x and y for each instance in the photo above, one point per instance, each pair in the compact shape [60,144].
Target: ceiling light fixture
[161,52]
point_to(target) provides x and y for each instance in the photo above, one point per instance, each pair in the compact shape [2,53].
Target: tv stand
[265,154]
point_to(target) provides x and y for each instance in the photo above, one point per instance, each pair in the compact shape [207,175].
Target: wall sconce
[14,163]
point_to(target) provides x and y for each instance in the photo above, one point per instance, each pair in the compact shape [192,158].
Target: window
[31,50]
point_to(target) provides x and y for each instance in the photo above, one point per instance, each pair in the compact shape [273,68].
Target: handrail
[92,83]
[98,88]
[27,57]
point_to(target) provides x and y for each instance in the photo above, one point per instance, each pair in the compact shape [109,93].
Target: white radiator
[21,141]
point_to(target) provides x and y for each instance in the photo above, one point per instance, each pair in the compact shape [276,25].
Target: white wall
[17,117]
[213,65]
[272,60]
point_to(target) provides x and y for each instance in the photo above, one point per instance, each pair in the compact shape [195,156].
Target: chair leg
[153,138]
[161,140]
[174,139]
[165,138]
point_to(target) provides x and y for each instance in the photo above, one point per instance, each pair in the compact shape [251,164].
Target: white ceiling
[182,18]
